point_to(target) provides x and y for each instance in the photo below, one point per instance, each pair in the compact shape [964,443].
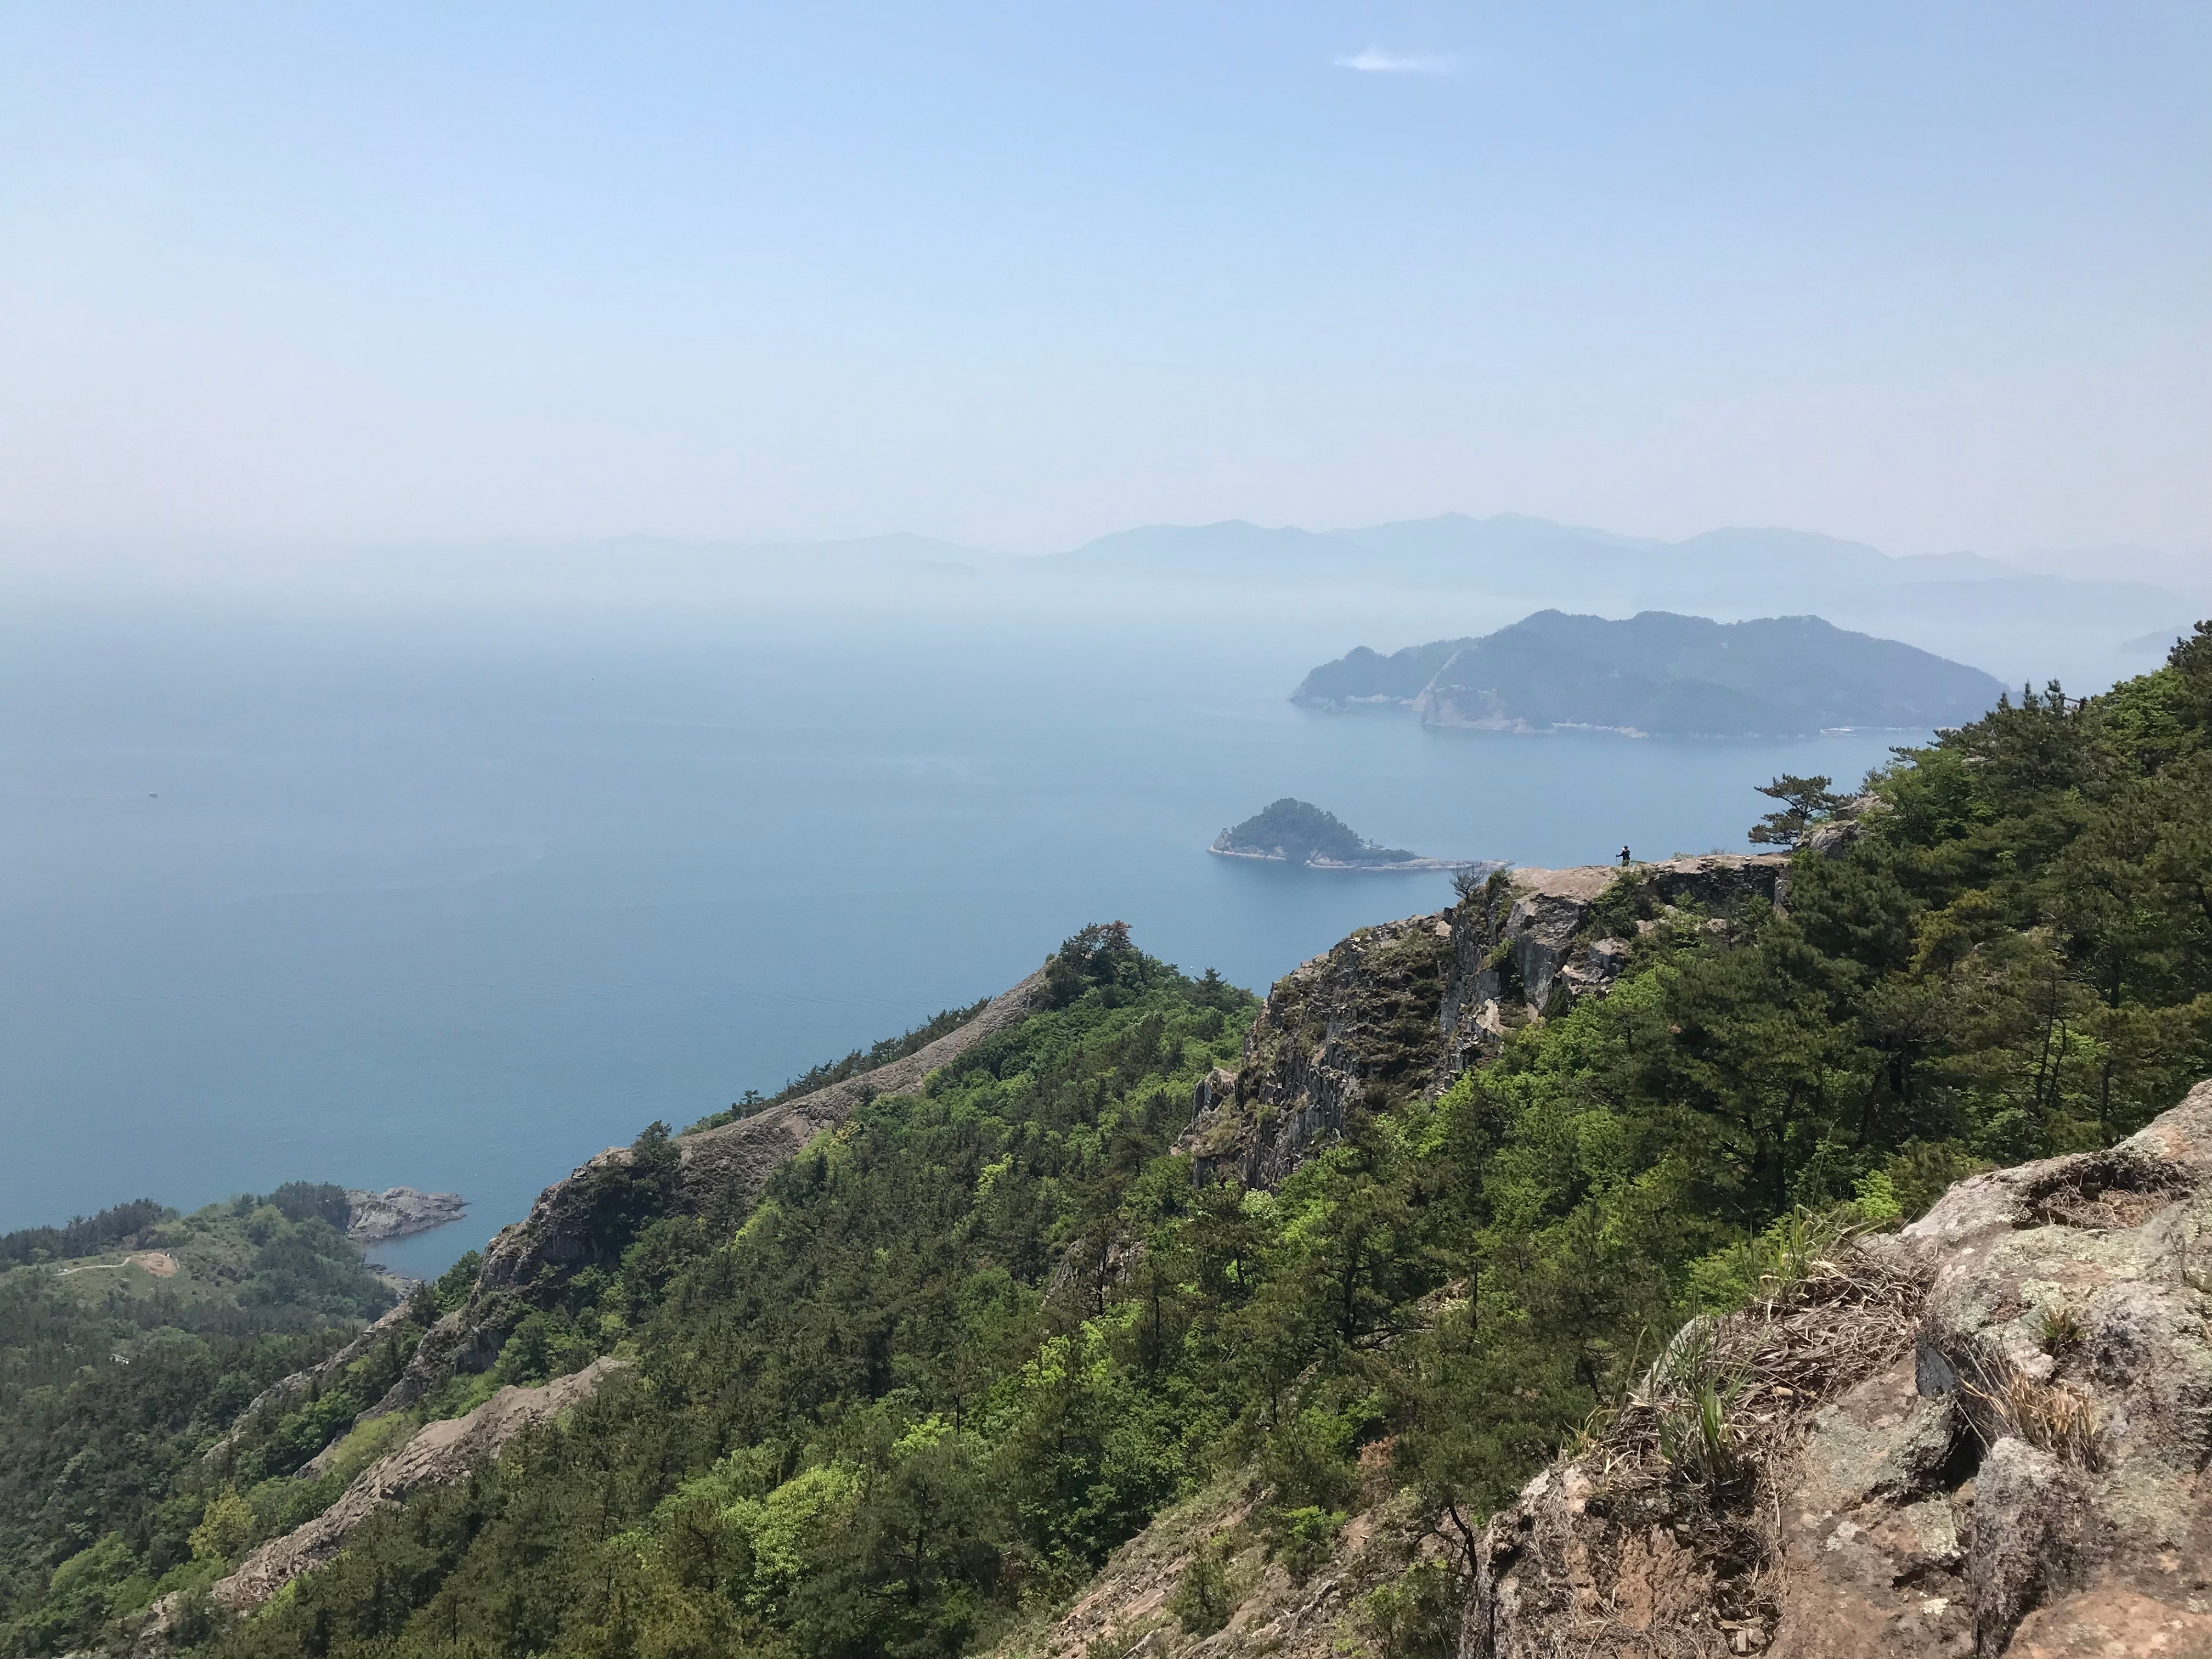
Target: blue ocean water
[457,900]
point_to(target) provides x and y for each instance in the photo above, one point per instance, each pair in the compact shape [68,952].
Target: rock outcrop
[438,1453]
[1986,1437]
[1129,1608]
[1406,1005]
[1533,941]
[398,1213]
[1357,1025]
[569,1227]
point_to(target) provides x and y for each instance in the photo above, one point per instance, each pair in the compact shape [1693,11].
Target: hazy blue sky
[1930,275]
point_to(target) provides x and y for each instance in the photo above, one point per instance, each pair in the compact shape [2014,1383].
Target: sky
[1928,275]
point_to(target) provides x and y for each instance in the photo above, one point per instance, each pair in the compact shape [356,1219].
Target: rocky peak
[1358,1024]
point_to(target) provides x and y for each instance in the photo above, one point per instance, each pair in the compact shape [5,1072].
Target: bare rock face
[2010,1460]
[398,1213]
[1361,1018]
[569,1227]
[1533,941]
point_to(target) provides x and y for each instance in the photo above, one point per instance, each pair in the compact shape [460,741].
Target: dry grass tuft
[2102,1195]
[2050,1416]
[1730,1392]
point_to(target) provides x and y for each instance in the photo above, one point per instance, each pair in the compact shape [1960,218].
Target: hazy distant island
[1660,674]
[1291,831]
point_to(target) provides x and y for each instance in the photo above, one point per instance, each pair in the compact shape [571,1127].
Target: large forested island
[1127,1313]
[1659,674]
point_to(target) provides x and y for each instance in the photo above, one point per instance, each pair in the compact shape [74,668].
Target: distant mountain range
[1660,673]
[1510,552]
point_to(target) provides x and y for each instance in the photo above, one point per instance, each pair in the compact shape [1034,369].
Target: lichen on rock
[2012,1461]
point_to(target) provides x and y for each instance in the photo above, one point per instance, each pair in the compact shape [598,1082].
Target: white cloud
[1375,61]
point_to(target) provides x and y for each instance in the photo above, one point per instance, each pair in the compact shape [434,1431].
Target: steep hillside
[586,1222]
[1985,1435]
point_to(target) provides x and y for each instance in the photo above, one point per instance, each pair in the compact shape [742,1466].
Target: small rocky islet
[1292,831]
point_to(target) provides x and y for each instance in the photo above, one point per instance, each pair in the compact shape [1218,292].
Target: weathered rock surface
[398,1213]
[2020,1469]
[724,1166]
[1535,940]
[1404,1006]
[1127,1607]
[438,1453]
[1357,1025]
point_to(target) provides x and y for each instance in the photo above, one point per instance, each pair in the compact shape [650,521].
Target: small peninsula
[1657,674]
[398,1213]
[1291,831]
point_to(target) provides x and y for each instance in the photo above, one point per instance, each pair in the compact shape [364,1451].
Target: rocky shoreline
[398,1213]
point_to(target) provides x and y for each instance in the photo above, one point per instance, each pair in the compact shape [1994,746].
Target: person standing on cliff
[1623,858]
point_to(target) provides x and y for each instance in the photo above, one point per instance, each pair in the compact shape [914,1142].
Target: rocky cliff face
[578,1222]
[1405,1006]
[1533,941]
[1356,1026]
[1987,1436]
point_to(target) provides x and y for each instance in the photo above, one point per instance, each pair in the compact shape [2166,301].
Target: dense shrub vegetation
[108,1393]
[82,1234]
[967,1344]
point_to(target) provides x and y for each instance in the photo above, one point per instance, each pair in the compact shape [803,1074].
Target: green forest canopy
[111,1382]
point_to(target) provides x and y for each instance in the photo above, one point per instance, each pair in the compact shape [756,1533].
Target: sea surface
[454,899]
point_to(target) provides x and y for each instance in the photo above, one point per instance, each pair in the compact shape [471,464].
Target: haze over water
[456,901]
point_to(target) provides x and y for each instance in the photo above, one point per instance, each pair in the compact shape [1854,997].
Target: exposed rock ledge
[725,1165]
[1401,1007]
[1532,943]
[1987,1436]
[398,1213]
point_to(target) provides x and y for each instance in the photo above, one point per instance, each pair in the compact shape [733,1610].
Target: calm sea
[456,901]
